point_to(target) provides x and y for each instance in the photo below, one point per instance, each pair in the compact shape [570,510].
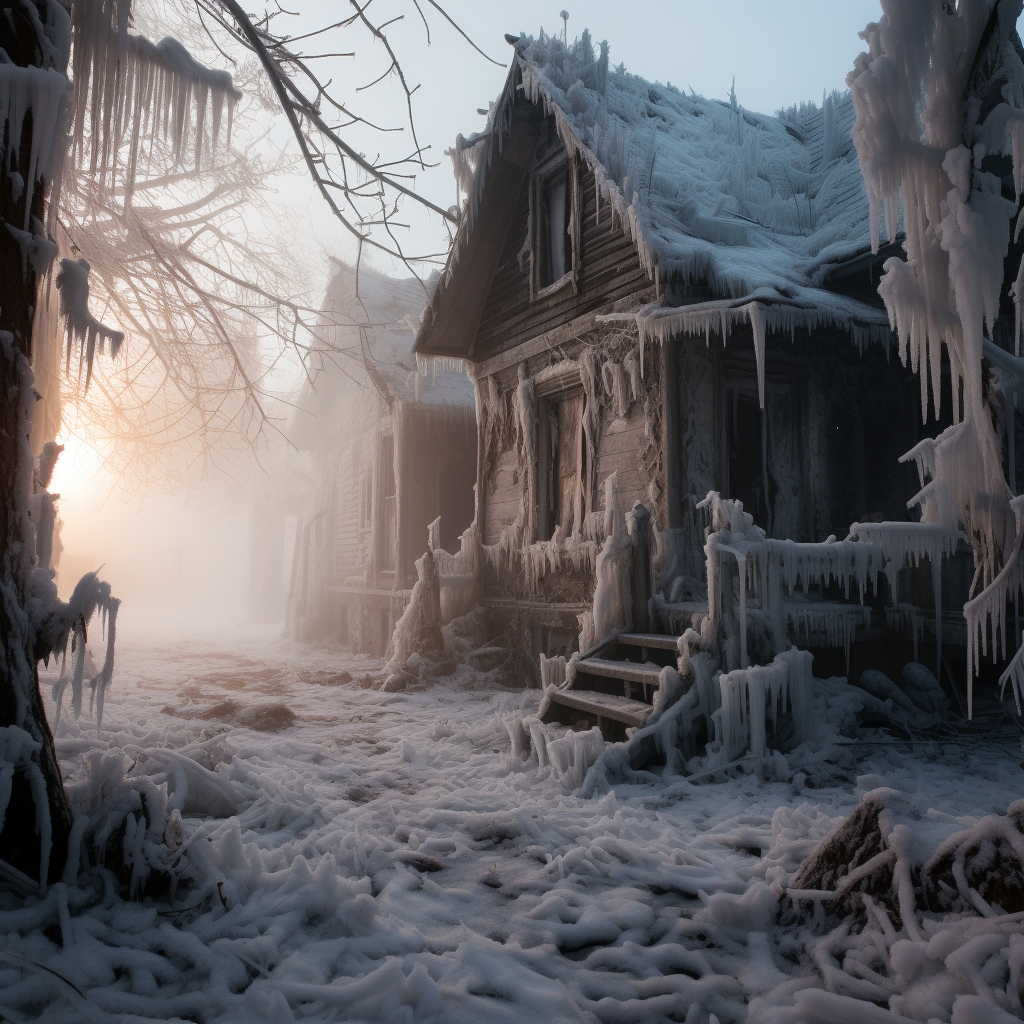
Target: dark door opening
[747,476]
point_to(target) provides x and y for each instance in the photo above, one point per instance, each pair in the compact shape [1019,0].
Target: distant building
[393,449]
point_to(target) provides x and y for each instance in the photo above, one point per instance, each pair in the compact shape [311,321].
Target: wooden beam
[453,329]
[548,340]
[671,440]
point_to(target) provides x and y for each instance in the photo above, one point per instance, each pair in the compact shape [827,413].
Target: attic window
[554,244]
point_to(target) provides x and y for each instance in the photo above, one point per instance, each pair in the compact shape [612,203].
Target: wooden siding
[609,270]
[351,538]
[501,504]
[620,451]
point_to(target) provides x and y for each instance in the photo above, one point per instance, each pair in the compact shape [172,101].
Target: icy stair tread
[635,673]
[653,640]
[604,705]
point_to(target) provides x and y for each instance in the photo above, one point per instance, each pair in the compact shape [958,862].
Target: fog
[184,551]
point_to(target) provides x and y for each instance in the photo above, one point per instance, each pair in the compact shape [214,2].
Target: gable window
[554,227]
[556,245]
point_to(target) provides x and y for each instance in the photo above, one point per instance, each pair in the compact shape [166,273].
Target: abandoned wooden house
[392,448]
[673,296]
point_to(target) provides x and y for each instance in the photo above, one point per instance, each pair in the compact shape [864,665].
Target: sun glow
[79,469]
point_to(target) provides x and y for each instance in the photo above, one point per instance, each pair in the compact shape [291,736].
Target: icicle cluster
[704,319]
[740,721]
[130,91]
[44,93]
[81,326]
[931,71]
[918,93]
[71,622]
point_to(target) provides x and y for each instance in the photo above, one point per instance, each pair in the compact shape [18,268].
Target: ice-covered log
[889,852]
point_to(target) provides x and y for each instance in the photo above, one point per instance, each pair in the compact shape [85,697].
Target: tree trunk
[25,823]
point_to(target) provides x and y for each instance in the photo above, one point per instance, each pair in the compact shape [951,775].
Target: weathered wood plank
[604,705]
[609,268]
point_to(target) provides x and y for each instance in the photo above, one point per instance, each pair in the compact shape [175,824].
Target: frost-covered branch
[345,178]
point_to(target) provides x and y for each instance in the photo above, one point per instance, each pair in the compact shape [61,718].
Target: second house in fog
[393,449]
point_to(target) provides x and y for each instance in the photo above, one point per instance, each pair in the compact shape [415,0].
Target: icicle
[130,90]
[73,287]
[44,92]
[757,326]
[1014,675]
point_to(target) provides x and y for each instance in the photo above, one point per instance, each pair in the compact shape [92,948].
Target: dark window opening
[554,241]
[746,456]
[562,447]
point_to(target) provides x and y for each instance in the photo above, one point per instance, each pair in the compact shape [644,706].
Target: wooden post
[642,569]
[428,638]
[670,434]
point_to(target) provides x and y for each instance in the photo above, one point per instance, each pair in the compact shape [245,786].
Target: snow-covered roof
[367,329]
[753,208]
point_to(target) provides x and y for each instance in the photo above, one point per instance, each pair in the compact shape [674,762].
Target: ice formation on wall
[459,576]
[612,595]
[939,89]
[612,382]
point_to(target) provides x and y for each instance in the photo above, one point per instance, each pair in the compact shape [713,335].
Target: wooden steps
[656,641]
[606,684]
[649,675]
[604,705]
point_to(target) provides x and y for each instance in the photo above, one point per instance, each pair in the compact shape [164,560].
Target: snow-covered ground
[389,860]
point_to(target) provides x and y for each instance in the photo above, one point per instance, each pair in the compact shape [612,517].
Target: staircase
[615,684]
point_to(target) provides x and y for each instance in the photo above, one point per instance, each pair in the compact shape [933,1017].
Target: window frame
[553,392]
[546,169]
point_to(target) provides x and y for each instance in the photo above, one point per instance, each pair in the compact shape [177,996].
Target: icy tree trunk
[26,833]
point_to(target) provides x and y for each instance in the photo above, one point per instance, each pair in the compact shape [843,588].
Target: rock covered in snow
[924,689]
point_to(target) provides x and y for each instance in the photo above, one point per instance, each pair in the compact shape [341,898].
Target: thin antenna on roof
[564,15]
[732,95]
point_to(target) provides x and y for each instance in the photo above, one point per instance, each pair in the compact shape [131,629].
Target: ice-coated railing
[749,694]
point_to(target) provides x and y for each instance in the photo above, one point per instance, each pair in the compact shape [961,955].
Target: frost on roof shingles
[753,205]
